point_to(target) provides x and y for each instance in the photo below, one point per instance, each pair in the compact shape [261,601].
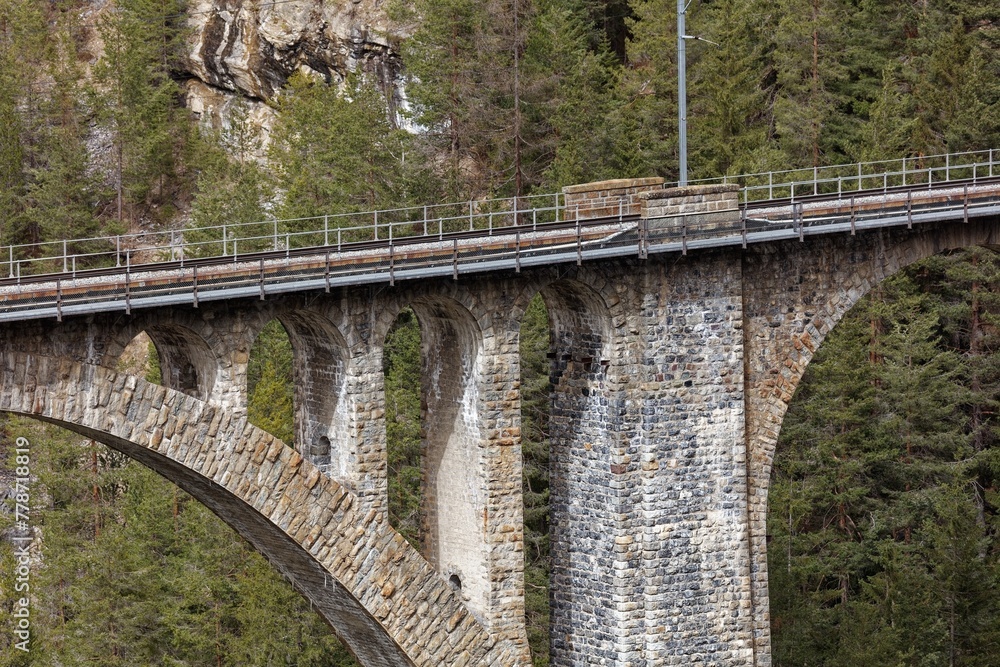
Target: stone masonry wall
[702,208]
[671,374]
[688,474]
[607,198]
[383,599]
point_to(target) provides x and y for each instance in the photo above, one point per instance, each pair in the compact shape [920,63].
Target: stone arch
[187,363]
[583,455]
[319,367]
[470,464]
[794,294]
[377,593]
[454,493]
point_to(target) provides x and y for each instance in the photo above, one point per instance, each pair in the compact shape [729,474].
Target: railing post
[65,266]
[470,216]
[10,250]
[118,251]
[517,250]
[392,272]
[859,176]
[684,235]
[815,180]
[326,230]
[579,241]
[275,235]
[326,273]
[743,226]
[376,225]
[425,220]
[904,172]
[947,167]
[770,185]
[261,281]
[224,234]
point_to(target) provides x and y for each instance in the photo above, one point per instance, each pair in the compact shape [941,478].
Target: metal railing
[233,241]
[927,170]
[508,248]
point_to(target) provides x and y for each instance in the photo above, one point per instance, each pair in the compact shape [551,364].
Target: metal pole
[682,148]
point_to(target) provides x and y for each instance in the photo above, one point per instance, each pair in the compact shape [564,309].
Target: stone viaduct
[671,377]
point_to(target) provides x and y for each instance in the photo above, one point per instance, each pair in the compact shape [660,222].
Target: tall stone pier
[671,373]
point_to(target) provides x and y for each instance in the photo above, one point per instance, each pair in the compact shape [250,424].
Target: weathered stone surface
[371,623]
[702,209]
[601,199]
[249,49]
[671,377]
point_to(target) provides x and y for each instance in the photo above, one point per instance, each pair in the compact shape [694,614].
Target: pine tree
[269,383]
[809,45]
[731,105]
[401,369]
[570,96]
[234,190]
[536,395]
[135,98]
[336,152]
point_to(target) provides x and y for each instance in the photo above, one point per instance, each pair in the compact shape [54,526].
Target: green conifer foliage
[731,90]
[336,152]
[234,190]
[401,368]
[269,383]
[809,45]
[536,397]
[571,95]
[882,514]
[135,98]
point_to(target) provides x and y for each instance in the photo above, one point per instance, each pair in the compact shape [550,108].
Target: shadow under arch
[454,493]
[320,358]
[187,363]
[582,440]
[380,597]
[818,284]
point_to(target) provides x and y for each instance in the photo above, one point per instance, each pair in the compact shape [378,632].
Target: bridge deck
[160,283]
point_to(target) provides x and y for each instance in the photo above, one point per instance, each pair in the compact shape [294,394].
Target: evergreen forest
[884,514]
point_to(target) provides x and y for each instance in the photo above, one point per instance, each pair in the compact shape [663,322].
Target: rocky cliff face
[249,48]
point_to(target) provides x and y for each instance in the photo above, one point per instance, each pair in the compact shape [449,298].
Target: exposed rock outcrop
[250,48]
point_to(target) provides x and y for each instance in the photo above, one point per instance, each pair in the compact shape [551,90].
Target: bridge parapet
[716,206]
[605,199]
